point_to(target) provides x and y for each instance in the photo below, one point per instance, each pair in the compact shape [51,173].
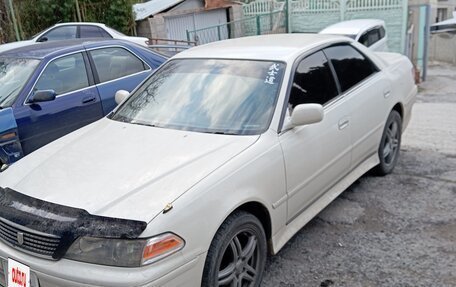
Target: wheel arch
[262,213]
[400,109]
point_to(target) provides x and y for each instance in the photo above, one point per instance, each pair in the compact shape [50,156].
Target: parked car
[169,50]
[49,90]
[369,32]
[75,30]
[221,155]
[445,26]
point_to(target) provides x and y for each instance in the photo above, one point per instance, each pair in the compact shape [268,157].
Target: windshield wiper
[223,133]
[146,124]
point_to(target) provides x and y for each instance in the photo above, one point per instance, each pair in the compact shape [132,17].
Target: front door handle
[89,99]
[343,123]
[386,94]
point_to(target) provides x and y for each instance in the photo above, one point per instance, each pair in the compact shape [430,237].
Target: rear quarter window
[382,32]
[93,32]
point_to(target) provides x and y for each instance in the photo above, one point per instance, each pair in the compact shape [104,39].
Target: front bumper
[172,271]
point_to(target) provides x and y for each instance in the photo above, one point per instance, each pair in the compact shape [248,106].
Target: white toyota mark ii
[220,157]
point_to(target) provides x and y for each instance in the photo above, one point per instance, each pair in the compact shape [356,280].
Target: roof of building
[146,9]
[352,27]
[275,47]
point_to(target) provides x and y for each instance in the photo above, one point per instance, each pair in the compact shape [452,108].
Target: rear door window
[350,65]
[87,31]
[374,36]
[313,82]
[114,63]
[382,32]
[370,37]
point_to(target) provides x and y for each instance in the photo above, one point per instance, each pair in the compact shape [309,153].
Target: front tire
[237,254]
[390,144]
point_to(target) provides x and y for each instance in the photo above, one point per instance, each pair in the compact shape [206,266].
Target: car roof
[42,50]
[80,23]
[275,47]
[352,27]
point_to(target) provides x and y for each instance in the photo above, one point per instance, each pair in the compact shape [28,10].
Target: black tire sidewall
[384,168]
[235,223]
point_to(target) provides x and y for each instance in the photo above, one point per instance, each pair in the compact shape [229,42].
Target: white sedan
[369,32]
[75,30]
[220,157]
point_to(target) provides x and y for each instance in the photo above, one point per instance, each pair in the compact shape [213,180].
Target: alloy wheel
[391,143]
[240,261]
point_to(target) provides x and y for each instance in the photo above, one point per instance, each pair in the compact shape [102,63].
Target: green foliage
[36,15]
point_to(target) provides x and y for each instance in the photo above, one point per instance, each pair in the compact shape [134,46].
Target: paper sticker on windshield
[272,74]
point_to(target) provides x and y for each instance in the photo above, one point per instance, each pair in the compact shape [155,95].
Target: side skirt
[288,231]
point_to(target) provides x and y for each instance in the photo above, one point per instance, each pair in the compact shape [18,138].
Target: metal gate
[311,16]
[177,26]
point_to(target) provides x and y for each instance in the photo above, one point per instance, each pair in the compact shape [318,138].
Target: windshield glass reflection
[203,95]
[14,74]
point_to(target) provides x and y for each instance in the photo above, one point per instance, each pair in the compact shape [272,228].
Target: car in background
[369,32]
[169,50]
[446,26]
[50,89]
[75,30]
[222,155]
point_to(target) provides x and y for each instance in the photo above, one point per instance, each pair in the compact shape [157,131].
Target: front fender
[255,176]
[10,146]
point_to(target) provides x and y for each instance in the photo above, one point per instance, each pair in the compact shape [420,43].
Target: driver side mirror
[120,96]
[305,114]
[43,39]
[42,96]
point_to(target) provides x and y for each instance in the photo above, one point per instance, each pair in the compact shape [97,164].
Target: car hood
[122,170]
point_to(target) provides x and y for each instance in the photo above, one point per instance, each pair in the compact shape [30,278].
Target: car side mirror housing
[120,96]
[305,114]
[42,96]
[43,39]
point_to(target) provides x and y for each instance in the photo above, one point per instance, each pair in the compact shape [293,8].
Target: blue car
[50,89]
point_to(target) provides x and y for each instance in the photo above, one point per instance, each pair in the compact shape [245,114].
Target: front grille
[40,244]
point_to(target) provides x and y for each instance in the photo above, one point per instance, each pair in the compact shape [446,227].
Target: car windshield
[14,74]
[206,95]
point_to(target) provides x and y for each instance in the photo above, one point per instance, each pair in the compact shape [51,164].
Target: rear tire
[389,148]
[237,254]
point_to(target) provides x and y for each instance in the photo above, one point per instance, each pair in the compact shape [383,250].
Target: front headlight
[124,252]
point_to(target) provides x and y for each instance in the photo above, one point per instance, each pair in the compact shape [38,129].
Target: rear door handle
[343,123]
[87,100]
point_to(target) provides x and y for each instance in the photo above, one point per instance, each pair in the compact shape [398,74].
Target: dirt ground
[398,230]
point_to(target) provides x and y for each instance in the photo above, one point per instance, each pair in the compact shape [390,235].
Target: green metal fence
[310,16]
[266,23]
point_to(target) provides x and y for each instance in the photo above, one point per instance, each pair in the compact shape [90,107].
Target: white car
[369,32]
[73,30]
[218,158]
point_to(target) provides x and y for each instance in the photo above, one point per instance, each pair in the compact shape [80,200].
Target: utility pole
[78,12]
[13,18]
